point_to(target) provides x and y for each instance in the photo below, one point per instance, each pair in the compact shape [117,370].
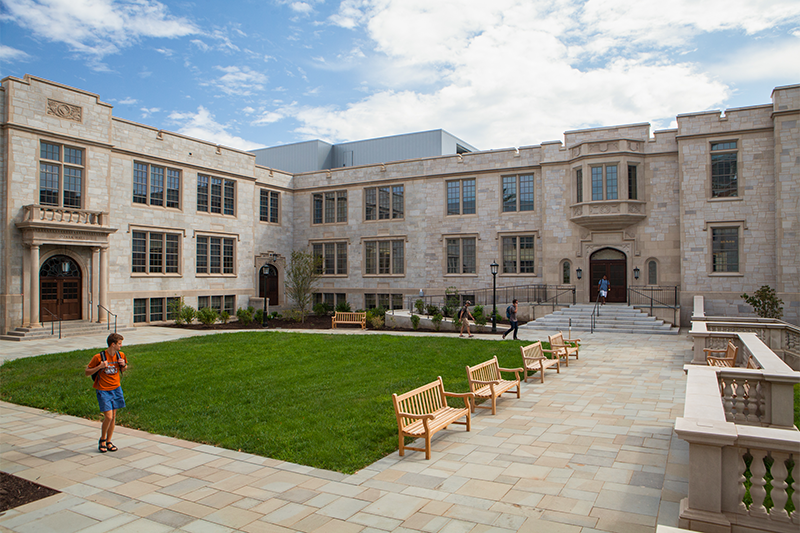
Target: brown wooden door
[615,269]
[268,284]
[60,289]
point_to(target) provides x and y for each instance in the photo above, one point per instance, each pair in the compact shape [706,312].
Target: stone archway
[60,283]
[614,264]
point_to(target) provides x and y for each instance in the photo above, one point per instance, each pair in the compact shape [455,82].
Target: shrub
[258,317]
[477,313]
[224,317]
[322,309]
[437,321]
[376,311]
[294,315]
[415,320]
[207,316]
[447,310]
[431,310]
[245,316]
[765,302]
[452,300]
[273,315]
[456,322]
[376,321]
[343,307]
[419,305]
[186,313]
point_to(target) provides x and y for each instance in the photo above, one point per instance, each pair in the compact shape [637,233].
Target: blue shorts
[110,399]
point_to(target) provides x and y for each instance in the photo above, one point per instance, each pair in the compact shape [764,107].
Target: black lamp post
[494,266]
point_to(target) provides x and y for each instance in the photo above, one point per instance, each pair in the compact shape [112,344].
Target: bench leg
[494,405]
[428,446]
[402,445]
[541,369]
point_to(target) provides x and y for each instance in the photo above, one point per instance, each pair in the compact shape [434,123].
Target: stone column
[95,288]
[34,262]
[102,316]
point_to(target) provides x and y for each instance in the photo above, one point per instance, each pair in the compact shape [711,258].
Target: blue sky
[249,74]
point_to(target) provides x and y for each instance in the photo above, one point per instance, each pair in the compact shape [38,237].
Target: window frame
[461,238]
[148,252]
[633,183]
[604,185]
[738,227]
[725,152]
[269,213]
[518,252]
[566,272]
[394,300]
[579,185]
[393,212]
[225,186]
[225,239]
[336,258]
[149,309]
[461,198]
[331,298]
[61,164]
[165,188]
[652,271]
[391,243]
[505,206]
[338,204]
[224,299]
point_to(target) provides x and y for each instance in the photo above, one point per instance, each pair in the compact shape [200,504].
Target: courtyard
[591,449]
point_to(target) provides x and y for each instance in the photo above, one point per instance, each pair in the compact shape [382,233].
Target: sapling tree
[765,302]
[302,274]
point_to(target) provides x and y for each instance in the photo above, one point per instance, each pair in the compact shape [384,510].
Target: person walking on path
[511,313]
[604,287]
[106,369]
[465,316]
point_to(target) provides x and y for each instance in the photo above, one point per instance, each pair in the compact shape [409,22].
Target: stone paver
[591,449]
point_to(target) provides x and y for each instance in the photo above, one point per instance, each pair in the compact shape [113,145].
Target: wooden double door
[268,284]
[613,264]
[60,283]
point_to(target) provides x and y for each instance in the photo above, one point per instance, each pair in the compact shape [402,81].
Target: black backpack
[508,312]
[102,358]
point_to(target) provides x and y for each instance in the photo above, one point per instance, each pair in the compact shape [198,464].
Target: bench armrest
[460,394]
[715,350]
[509,369]
[561,346]
[416,417]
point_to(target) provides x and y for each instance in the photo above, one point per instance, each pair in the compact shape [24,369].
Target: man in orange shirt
[106,369]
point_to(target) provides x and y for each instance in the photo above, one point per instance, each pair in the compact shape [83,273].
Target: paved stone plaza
[591,449]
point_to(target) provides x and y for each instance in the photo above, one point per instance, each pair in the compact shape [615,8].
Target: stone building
[101,214]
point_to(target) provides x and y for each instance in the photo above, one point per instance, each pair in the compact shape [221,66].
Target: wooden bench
[562,347]
[349,318]
[534,360]
[485,381]
[424,411]
[728,360]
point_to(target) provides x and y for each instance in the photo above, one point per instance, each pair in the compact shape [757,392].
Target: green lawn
[317,400]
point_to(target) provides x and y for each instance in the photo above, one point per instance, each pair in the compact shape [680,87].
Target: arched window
[652,273]
[565,273]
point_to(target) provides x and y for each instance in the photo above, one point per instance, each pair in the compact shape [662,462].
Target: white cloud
[128,101]
[302,8]
[512,72]
[201,125]
[238,81]
[96,28]
[761,60]
[147,111]
[8,54]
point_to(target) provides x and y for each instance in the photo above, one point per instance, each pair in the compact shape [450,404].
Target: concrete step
[71,328]
[611,318]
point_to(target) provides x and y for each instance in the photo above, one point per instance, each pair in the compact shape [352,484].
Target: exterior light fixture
[636,273]
[579,273]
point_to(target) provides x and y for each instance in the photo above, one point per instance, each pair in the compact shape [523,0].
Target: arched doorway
[60,289]
[611,263]
[268,284]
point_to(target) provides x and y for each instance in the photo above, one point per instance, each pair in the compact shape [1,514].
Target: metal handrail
[661,305]
[555,298]
[595,312]
[538,293]
[108,312]
[53,322]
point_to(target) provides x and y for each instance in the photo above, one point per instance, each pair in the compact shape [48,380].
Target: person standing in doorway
[604,286]
[106,369]
[511,312]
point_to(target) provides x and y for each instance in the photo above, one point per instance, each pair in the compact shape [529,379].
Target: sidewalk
[591,449]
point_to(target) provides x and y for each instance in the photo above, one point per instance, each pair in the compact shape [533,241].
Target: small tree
[437,321]
[415,321]
[302,275]
[419,305]
[765,302]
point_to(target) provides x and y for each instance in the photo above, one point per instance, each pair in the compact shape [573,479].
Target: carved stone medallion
[66,111]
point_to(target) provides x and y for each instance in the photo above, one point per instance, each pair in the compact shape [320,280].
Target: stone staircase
[69,328]
[613,318]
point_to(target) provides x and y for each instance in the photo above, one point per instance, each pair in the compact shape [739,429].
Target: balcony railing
[63,215]
[608,214]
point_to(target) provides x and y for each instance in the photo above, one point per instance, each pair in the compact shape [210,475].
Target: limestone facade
[666,226]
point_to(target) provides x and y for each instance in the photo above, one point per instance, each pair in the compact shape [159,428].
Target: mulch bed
[15,491]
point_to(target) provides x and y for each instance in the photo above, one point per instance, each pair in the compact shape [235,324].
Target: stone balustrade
[63,215]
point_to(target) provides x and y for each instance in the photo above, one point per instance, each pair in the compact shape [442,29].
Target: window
[384,257]
[579,185]
[215,255]
[330,298]
[330,207]
[60,175]
[219,303]
[155,253]
[216,195]
[269,206]
[518,193]
[461,255]
[652,273]
[150,182]
[387,301]
[725,249]
[518,254]
[155,309]
[611,189]
[566,271]
[724,177]
[632,185]
[384,203]
[334,258]
[461,197]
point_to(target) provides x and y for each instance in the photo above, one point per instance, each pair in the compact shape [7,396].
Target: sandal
[101,447]
[110,447]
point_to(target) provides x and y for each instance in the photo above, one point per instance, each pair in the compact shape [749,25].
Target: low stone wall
[402,319]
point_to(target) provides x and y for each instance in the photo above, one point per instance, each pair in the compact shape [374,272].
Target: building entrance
[60,283]
[611,263]
[268,284]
